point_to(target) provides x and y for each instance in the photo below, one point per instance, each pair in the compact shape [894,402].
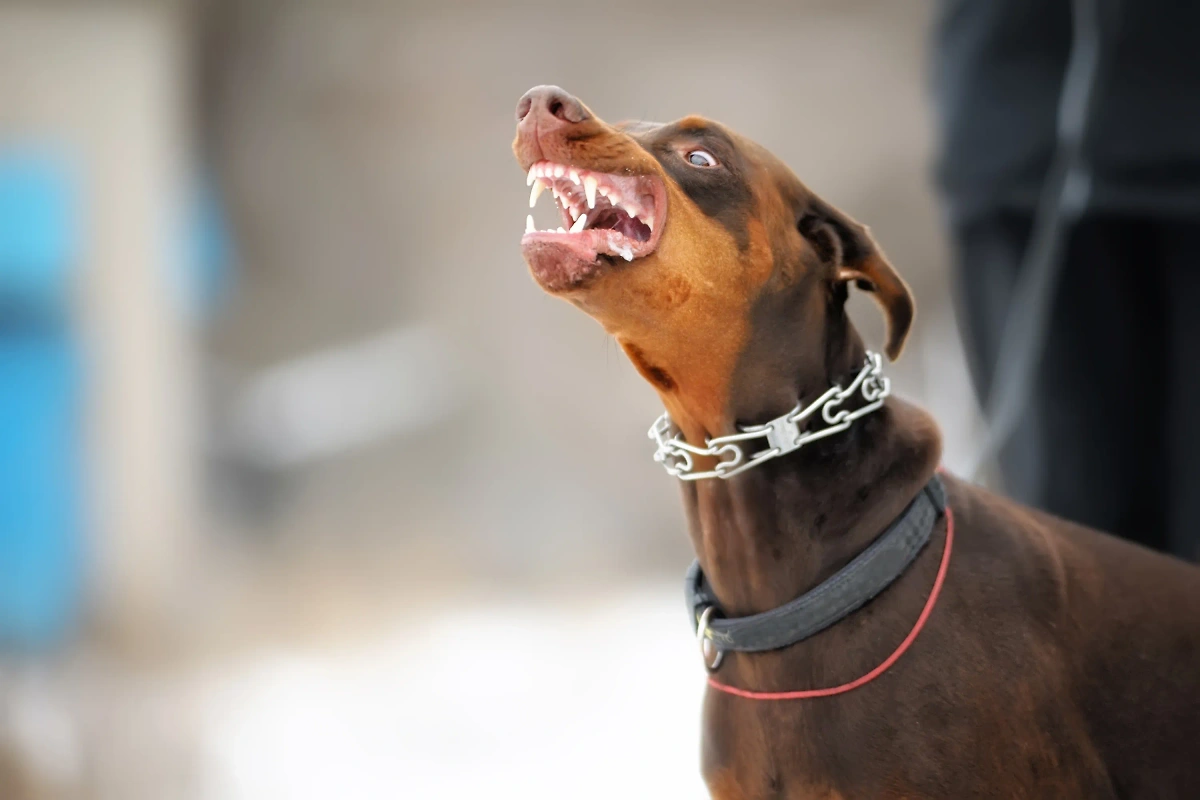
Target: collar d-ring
[707,646]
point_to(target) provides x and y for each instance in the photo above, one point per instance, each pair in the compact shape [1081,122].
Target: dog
[1052,661]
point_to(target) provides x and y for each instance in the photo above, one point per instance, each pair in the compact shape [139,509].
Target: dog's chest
[753,761]
[728,785]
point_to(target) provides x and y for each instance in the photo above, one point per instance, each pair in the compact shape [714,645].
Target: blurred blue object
[209,256]
[41,539]
[40,455]
[39,234]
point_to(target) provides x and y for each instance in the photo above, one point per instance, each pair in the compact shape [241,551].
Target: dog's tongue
[616,219]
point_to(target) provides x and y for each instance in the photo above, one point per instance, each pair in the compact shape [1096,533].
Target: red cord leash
[879,670]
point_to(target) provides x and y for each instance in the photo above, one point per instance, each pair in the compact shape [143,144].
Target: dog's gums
[605,216]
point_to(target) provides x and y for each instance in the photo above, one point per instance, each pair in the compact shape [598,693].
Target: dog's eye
[701,158]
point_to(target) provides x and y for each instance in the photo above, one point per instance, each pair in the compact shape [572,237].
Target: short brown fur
[1059,662]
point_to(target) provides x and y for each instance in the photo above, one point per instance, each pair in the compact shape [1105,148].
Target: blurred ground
[486,601]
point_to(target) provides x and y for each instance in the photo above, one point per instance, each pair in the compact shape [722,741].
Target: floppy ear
[847,247]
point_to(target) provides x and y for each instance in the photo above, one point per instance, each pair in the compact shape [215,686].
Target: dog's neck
[776,531]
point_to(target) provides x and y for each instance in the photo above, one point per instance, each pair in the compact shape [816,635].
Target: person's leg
[1090,447]
[1180,278]
[988,260]
[1104,378]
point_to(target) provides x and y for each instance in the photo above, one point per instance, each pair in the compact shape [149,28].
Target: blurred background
[306,490]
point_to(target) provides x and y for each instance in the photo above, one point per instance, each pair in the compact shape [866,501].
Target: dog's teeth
[573,175]
[619,247]
[532,176]
[539,186]
[650,223]
[579,223]
[529,224]
[589,189]
[559,170]
[561,229]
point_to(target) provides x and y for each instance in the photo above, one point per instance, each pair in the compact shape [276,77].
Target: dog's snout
[551,104]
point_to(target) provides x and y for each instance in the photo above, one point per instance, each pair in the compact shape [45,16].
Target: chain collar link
[782,435]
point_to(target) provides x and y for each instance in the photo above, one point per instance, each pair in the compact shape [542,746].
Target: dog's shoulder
[1089,564]
[1123,619]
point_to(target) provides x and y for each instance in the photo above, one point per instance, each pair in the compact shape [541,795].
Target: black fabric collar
[849,589]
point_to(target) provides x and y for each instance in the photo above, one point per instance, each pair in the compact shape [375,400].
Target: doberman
[1059,662]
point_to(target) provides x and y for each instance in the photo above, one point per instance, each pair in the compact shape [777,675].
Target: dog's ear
[852,255]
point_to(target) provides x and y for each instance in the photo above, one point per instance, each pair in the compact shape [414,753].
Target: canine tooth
[589,188]
[529,224]
[559,170]
[532,176]
[579,223]
[619,247]
[539,186]
[650,223]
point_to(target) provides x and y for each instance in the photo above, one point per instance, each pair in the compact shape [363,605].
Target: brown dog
[1058,662]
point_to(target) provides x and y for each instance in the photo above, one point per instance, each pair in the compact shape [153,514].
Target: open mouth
[605,217]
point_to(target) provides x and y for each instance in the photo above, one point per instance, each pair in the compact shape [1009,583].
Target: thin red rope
[879,670]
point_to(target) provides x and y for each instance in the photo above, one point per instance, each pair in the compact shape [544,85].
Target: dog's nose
[549,106]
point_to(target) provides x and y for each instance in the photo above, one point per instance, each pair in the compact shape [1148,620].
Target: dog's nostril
[565,107]
[523,107]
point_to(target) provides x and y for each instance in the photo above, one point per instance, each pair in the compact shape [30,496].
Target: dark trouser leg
[1179,255]
[1090,446]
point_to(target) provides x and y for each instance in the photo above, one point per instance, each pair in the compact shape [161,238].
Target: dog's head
[719,273]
